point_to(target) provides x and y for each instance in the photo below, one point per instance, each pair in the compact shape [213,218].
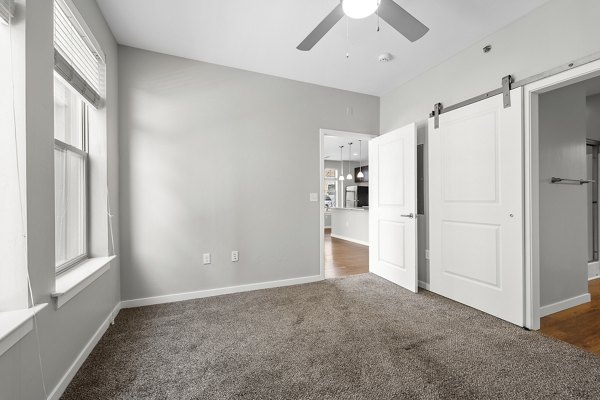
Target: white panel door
[476,207]
[392,206]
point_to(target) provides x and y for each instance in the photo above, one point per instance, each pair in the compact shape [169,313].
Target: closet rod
[567,180]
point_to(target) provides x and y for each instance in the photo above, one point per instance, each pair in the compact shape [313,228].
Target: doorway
[592,148]
[563,136]
[344,180]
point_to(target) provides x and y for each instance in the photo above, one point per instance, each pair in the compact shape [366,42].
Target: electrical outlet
[206,258]
[235,256]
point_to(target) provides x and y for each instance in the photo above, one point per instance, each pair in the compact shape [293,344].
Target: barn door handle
[411,215]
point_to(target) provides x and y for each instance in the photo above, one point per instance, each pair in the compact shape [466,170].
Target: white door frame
[531,148]
[322,134]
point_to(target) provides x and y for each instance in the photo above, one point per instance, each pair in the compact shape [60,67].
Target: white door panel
[392,196]
[476,206]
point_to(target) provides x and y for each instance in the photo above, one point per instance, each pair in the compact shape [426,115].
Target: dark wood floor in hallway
[344,258]
[579,325]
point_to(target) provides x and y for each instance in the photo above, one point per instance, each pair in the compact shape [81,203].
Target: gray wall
[554,34]
[563,208]
[593,132]
[63,332]
[593,117]
[350,224]
[215,159]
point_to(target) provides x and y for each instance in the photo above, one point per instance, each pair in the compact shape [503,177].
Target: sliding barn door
[392,206]
[476,207]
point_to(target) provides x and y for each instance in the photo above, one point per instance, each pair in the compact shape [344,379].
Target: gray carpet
[350,338]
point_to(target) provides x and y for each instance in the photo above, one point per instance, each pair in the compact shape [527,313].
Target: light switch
[206,258]
[314,197]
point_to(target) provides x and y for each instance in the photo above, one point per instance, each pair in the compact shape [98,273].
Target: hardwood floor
[579,325]
[343,258]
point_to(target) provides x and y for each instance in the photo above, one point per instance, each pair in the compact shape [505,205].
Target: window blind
[75,59]
[7,8]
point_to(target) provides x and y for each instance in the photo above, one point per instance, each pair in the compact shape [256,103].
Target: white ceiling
[331,149]
[262,35]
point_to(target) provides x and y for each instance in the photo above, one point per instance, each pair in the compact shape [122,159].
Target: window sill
[14,325]
[69,284]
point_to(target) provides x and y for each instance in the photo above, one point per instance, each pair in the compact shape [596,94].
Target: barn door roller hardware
[507,82]
[437,110]
[507,86]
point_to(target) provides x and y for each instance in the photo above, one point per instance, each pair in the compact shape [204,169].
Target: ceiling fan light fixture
[358,9]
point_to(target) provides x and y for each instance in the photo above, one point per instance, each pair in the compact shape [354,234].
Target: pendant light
[360,174]
[349,176]
[341,178]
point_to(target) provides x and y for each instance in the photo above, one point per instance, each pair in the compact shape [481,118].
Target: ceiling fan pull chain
[378,3]
[347,37]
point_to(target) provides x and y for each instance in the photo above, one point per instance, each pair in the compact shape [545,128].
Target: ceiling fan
[400,19]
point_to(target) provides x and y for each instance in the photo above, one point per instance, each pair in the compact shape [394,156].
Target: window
[6,10]
[330,186]
[77,83]
[70,176]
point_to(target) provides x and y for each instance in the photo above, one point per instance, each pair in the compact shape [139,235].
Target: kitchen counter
[350,224]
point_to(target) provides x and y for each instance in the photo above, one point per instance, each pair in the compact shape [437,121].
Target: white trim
[346,134]
[171,298]
[531,140]
[322,205]
[593,270]
[69,284]
[565,304]
[14,325]
[85,352]
[350,239]
[424,285]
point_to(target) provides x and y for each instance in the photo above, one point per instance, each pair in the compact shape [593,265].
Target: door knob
[411,215]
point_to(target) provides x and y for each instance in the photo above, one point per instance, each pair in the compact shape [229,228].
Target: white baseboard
[350,239]
[593,270]
[424,285]
[564,304]
[85,352]
[170,298]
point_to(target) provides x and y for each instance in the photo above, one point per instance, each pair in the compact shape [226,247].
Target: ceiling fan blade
[401,20]
[321,29]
